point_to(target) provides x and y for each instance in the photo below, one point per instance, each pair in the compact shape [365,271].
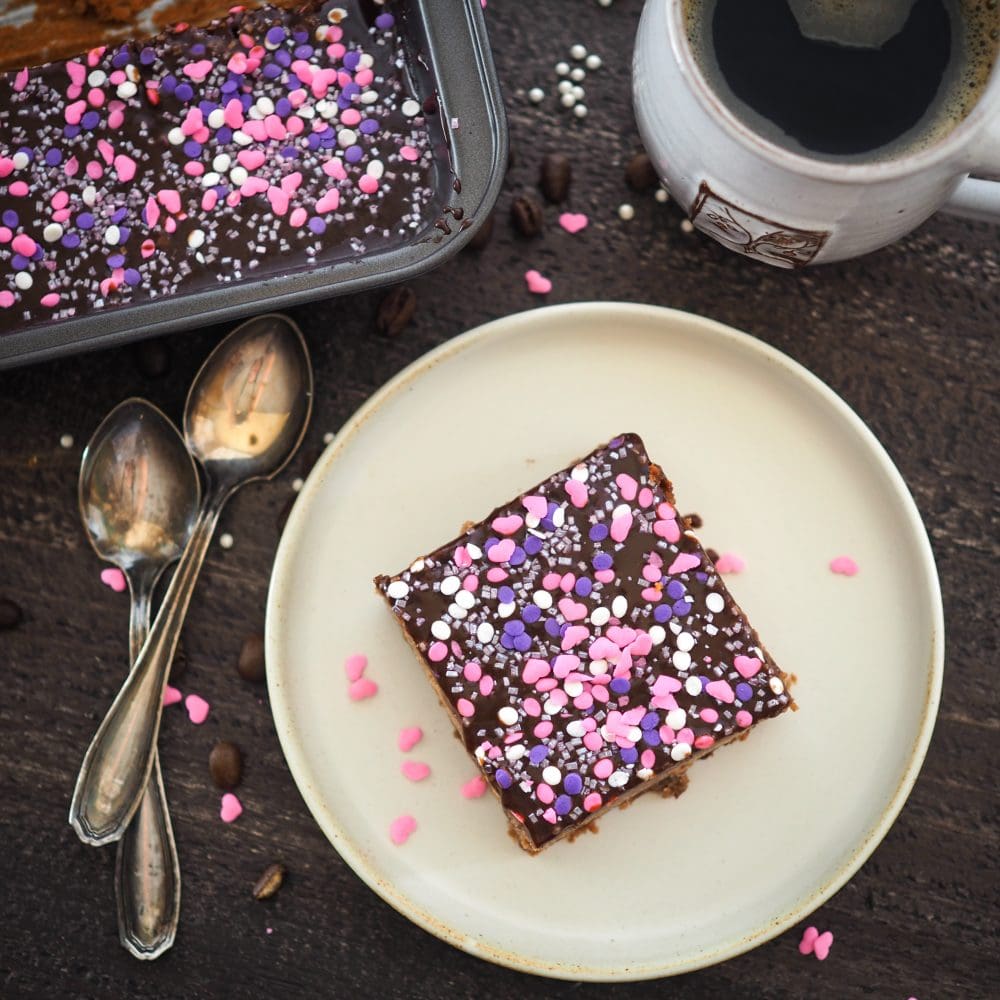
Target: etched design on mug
[754,235]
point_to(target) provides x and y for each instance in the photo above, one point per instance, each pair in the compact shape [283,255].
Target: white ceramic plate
[783,472]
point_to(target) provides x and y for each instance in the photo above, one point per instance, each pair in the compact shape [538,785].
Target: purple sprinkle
[517,556]
[573,783]
[283,107]
[507,641]
[682,608]
[168,84]
[675,589]
[300,36]
[85,220]
[351,60]
[224,135]
[132,277]
[317,225]
[198,49]
[630,755]
[184,92]
[116,260]
[354,154]
[90,120]
[505,595]
[207,107]
[701,577]
[620,685]
[369,126]
[303,51]
[650,720]
[28,152]
[583,586]
[547,524]
[513,626]
[615,442]
[651,737]
[663,613]
[522,643]
[744,692]
[120,59]
[531,614]
[602,561]
[282,58]
[313,141]
[289,153]
[504,780]
[71,131]
[229,86]
[562,629]
[532,545]
[563,805]
[271,71]
[53,157]
[552,627]
[10,218]
[19,262]
[221,190]
[276,35]
[352,89]
[538,754]
[119,215]
[598,532]
[70,241]
[384,21]
[123,234]
[147,56]
[38,254]
[192,149]
[246,101]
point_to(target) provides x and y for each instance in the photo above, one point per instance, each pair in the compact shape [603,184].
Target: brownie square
[584,644]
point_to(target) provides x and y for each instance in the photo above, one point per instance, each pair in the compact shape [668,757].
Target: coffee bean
[640,175]
[225,764]
[152,357]
[396,310]
[270,881]
[179,664]
[483,234]
[527,216]
[712,554]
[11,614]
[694,520]
[555,178]
[250,664]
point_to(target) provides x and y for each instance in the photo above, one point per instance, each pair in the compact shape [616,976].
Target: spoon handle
[119,760]
[147,870]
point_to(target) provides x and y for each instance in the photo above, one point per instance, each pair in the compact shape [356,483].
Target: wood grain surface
[908,336]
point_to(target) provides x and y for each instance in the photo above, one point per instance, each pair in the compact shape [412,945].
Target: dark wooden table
[907,336]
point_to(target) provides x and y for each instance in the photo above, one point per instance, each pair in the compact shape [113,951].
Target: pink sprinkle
[198,70]
[354,666]
[74,112]
[77,73]
[573,222]
[536,506]
[409,738]
[814,943]
[475,788]
[747,666]
[414,770]
[409,154]
[684,562]
[6,166]
[593,802]
[197,708]
[350,117]
[152,211]
[844,565]
[171,696]
[298,217]
[720,690]
[72,167]
[231,808]
[169,199]
[209,200]
[278,200]
[334,168]
[6,299]
[237,64]
[368,184]
[577,493]
[496,575]
[51,300]
[603,768]
[486,685]
[743,718]
[537,283]
[645,497]
[505,525]
[18,189]
[362,688]
[627,486]
[252,186]
[730,562]
[329,202]
[501,551]
[234,113]
[621,526]
[5,235]
[401,829]
[95,97]
[124,167]
[465,708]
[472,671]
[437,652]
[24,244]
[114,578]
[21,80]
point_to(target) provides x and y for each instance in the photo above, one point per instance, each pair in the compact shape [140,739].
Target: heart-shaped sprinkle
[536,506]
[362,688]
[572,611]
[410,737]
[501,551]
[577,492]
[730,562]
[844,565]
[573,636]
[354,666]
[573,222]
[823,944]
[171,696]
[747,666]
[507,525]
[114,578]
[475,788]
[627,486]
[414,770]
[231,808]
[685,561]
[401,829]
[668,529]
[621,526]
[537,283]
[197,708]
[721,691]
[534,670]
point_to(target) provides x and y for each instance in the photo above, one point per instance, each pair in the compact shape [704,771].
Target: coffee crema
[834,101]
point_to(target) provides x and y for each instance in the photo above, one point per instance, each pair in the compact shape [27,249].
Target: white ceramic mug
[781,207]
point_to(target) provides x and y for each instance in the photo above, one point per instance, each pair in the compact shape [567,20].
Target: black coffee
[838,100]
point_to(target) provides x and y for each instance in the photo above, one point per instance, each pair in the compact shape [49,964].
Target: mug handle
[978,197]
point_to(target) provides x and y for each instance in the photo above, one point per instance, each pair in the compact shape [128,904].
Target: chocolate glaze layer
[608,656]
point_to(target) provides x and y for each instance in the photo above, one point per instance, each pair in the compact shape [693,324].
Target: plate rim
[358,859]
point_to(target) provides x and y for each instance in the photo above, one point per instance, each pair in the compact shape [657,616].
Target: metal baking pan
[449,56]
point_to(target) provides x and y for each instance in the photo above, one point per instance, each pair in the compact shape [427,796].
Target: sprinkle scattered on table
[730,562]
[231,808]
[114,578]
[362,688]
[573,222]
[537,283]
[171,696]
[414,770]
[814,943]
[197,708]
[354,666]
[401,829]
[474,789]
[844,566]
[409,738]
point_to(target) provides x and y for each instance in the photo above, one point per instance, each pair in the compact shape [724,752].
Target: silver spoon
[139,494]
[246,414]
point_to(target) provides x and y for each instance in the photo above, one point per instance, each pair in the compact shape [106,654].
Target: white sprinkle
[644,773]
[680,751]
[543,599]
[515,751]
[685,641]
[693,686]
[238,175]
[89,195]
[441,630]
[216,118]
[626,212]
[196,238]
[126,89]
[369,97]
[410,108]
[579,93]
[397,590]
[687,226]
[265,106]
[578,74]
[474,550]
[416,566]
[619,606]
[562,68]
[551,775]
[375,168]
[465,599]
[578,51]
[133,72]
[485,632]
[226,540]
[600,616]
[559,517]
[676,718]
[210,179]
[112,235]
[662,196]
[580,111]
[657,634]
[457,611]
[530,521]
[506,610]
[618,779]
[776,685]
[575,729]
[551,708]
[52,232]
[222,163]
[580,473]
[567,100]
[23,280]
[450,585]
[297,485]
[367,60]
[536,95]
[715,602]
[328,437]
[241,138]
[593,61]
[20,160]
[66,441]
[621,510]
[681,659]
[565,87]
[508,715]
[605,3]
[573,688]
[598,667]
[97,78]
[347,137]
[634,734]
